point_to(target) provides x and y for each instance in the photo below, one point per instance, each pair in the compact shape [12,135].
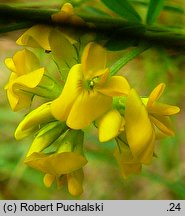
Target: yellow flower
[63,52]
[67,14]
[159,112]
[139,129]
[26,75]
[28,79]
[89,89]
[128,164]
[110,125]
[67,161]
[33,121]
[38,35]
[74,181]
[46,136]
[57,165]
[144,117]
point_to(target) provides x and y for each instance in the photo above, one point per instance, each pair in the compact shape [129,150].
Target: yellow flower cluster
[87,94]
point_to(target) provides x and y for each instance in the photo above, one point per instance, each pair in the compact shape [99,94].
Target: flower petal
[30,80]
[18,100]
[109,125]
[93,59]
[155,94]
[64,14]
[67,15]
[10,64]
[139,131]
[36,37]
[33,120]
[48,180]
[163,109]
[75,182]
[89,106]
[56,164]
[163,123]
[63,51]
[115,86]
[25,62]
[126,161]
[61,107]
[46,136]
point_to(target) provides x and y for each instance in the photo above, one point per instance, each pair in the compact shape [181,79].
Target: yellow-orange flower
[89,89]
[110,125]
[33,121]
[38,35]
[26,75]
[67,161]
[127,163]
[159,112]
[67,14]
[139,129]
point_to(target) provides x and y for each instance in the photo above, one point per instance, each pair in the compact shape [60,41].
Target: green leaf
[127,57]
[15,26]
[169,6]
[123,8]
[154,9]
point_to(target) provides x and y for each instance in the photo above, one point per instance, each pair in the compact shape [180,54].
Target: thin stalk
[127,57]
[107,26]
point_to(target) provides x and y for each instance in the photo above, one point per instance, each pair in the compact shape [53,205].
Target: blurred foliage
[164,179]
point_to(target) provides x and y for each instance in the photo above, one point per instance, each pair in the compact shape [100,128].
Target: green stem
[127,57]
[162,36]
[16,26]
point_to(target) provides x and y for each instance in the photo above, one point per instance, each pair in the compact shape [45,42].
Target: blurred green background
[164,179]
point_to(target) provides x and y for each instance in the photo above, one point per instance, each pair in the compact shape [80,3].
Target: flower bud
[73,141]
[46,136]
[110,125]
[33,121]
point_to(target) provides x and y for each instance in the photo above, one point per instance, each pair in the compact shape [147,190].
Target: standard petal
[75,182]
[12,98]
[93,59]
[89,106]
[163,123]
[115,86]
[61,107]
[139,130]
[36,36]
[56,164]
[109,125]
[13,76]
[163,109]
[30,80]
[18,100]
[155,94]
[25,62]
